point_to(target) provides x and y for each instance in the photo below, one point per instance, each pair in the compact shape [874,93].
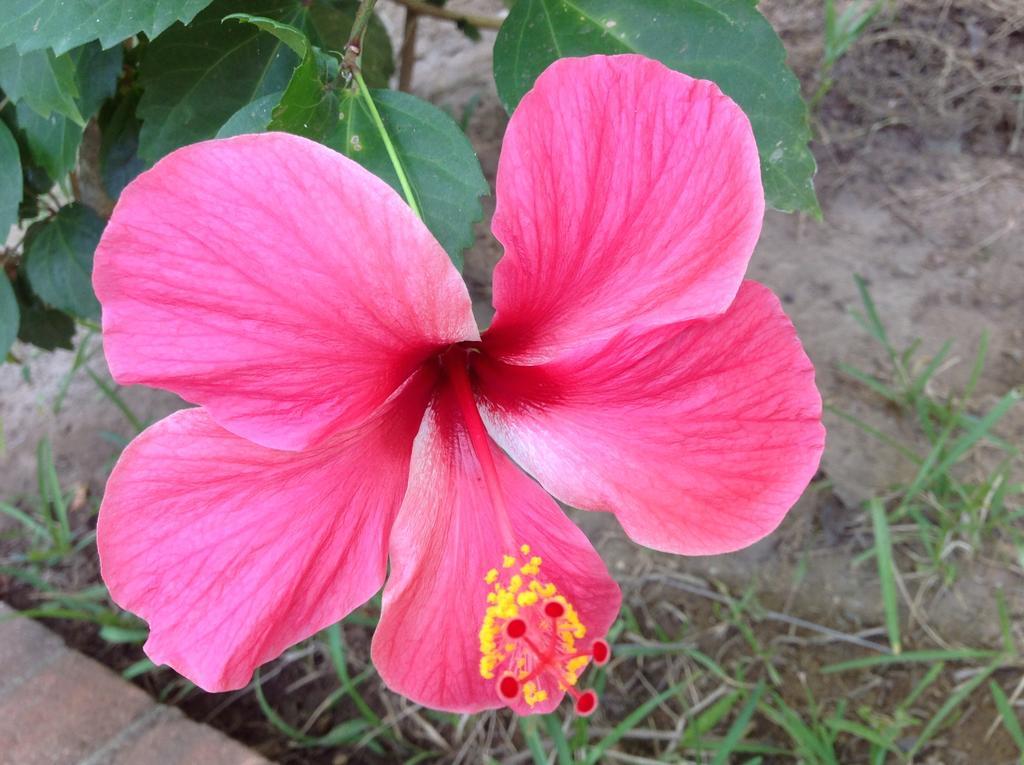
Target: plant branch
[407,56]
[371,107]
[354,47]
[474,20]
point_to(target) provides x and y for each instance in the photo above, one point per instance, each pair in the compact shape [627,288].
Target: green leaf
[8,316]
[727,41]
[10,188]
[119,146]
[43,327]
[886,572]
[52,141]
[45,82]
[437,158]
[58,260]
[196,78]
[96,73]
[251,118]
[63,25]
[309,105]
[286,33]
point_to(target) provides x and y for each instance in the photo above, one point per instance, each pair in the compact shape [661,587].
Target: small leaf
[43,327]
[96,73]
[45,82]
[58,260]
[309,105]
[8,316]
[286,33]
[437,158]
[119,146]
[196,78]
[52,141]
[63,25]
[728,42]
[10,188]
[251,118]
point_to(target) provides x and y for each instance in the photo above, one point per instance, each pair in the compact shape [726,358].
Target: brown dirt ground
[922,184]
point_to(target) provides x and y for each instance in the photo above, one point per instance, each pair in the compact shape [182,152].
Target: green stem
[364,93]
[354,47]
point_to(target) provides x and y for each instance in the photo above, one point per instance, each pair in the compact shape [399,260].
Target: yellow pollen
[517,592]
[526,598]
[531,695]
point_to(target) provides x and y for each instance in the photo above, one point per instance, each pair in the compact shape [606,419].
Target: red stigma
[532,642]
[586,703]
[554,609]
[515,629]
[508,687]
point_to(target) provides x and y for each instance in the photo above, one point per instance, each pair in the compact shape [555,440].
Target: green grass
[841,31]
[949,510]
[701,672]
[45,521]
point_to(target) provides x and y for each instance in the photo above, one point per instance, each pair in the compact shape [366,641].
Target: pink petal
[445,539]
[234,552]
[629,195]
[699,438]
[275,282]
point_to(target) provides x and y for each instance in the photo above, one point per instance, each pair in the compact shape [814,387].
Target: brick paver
[58,707]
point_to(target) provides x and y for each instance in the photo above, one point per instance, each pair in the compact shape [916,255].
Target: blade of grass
[885,438]
[863,732]
[30,523]
[809,745]
[82,355]
[926,374]
[336,649]
[141,667]
[52,497]
[964,654]
[977,431]
[629,722]
[528,726]
[1005,624]
[554,726]
[930,677]
[951,704]
[347,732]
[739,725]
[709,718]
[116,400]
[873,322]
[886,573]
[1010,721]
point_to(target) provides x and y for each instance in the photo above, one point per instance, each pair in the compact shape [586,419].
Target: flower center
[529,634]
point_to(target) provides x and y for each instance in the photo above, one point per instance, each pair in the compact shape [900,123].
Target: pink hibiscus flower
[351,415]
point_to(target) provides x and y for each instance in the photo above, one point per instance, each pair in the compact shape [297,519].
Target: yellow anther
[575,665]
[519,593]
[526,598]
[533,695]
